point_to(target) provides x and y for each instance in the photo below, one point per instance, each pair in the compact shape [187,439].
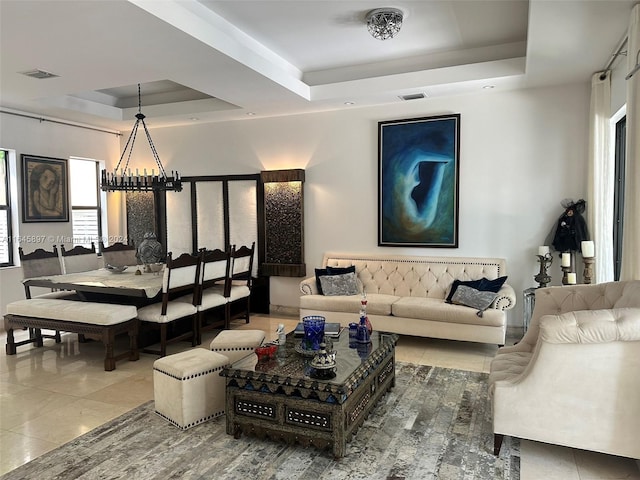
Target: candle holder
[588,269]
[565,275]
[543,277]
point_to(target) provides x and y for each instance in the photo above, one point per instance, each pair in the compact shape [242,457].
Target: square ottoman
[188,388]
[237,344]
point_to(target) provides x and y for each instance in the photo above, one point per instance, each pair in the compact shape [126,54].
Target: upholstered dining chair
[238,288]
[40,263]
[119,254]
[214,274]
[181,276]
[79,259]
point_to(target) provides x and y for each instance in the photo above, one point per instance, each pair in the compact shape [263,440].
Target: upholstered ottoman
[237,344]
[188,388]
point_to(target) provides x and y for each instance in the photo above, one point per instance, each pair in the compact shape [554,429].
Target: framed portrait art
[418,177]
[45,189]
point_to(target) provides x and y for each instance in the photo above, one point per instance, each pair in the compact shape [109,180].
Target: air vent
[40,74]
[413,96]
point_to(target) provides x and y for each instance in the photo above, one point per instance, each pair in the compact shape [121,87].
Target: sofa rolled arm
[506,298]
[592,326]
[308,286]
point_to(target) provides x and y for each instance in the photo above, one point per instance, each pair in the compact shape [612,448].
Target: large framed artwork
[419,163]
[45,189]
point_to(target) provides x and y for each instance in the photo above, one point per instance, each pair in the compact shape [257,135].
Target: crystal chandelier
[126,181]
[384,23]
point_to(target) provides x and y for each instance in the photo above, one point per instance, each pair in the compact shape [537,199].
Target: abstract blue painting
[419,162]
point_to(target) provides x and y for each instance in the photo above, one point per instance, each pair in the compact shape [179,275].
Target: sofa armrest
[506,298]
[592,326]
[308,286]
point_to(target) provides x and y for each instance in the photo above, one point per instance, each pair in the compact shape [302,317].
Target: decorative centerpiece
[363,312]
[545,259]
[323,364]
[313,335]
[364,329]
[150,251]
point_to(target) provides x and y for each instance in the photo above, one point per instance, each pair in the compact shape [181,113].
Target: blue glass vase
[313,332]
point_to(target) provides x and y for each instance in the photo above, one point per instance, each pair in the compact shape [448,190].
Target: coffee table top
[290,372]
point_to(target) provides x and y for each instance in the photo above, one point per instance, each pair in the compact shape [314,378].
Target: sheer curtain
[631,233]
[601,173]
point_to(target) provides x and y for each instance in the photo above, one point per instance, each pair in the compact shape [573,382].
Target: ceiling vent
[413,96]
[40,74]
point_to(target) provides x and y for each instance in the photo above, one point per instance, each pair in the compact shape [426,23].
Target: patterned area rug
[435,424]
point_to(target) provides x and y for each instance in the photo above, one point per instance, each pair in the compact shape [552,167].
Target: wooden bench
[101,321]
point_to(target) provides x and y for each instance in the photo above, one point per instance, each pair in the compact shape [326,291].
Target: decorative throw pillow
[484,284]
[320,272]
[471,297]
[344,284]
[487,285]
[457,283]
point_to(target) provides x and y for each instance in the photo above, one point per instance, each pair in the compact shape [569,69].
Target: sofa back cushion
[415,276]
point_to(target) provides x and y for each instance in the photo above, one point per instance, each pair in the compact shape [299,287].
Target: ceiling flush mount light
[384,23]
[126,181]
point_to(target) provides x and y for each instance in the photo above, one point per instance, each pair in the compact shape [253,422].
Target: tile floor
[51,395]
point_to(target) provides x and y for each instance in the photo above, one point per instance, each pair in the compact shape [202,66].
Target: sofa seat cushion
[508,366]
[377,303]
[436,309]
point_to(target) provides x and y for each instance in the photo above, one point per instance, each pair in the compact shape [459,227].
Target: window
[86,212]
[6,248]
[618,195]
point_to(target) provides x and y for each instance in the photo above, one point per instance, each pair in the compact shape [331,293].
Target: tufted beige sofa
[406,295]
[574,379]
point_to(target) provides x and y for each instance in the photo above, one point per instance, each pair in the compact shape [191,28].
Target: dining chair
[180,277]
[40,263]
[214,272]
[119,254]
[79,259]
[238,286]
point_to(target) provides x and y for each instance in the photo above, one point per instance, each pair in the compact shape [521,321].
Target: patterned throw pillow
[345,284]
[470,297]
[320,272]
[484,284]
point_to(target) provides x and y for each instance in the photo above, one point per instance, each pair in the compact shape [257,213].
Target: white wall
[28,136]
[522,152]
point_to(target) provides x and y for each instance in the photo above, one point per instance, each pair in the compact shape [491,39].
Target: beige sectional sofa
[406,295]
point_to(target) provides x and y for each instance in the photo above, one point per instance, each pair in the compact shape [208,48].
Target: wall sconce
[284,225]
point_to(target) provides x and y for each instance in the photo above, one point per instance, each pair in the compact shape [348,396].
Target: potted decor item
[150,251]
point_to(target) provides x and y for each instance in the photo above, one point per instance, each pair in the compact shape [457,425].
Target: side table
[529,303]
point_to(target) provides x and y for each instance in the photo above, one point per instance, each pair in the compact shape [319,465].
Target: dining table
[132,283]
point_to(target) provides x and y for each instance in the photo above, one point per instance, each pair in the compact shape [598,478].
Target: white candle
[543,250]
[571,278]
[566,260]
[588,249]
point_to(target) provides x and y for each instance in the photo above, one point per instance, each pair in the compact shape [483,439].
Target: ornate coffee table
[280,400]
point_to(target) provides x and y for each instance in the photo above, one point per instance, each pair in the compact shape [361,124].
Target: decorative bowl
[115,268]
[156,267]
[266,352]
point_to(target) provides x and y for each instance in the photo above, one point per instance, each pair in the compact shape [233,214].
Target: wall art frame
[418,181]
[45,189]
